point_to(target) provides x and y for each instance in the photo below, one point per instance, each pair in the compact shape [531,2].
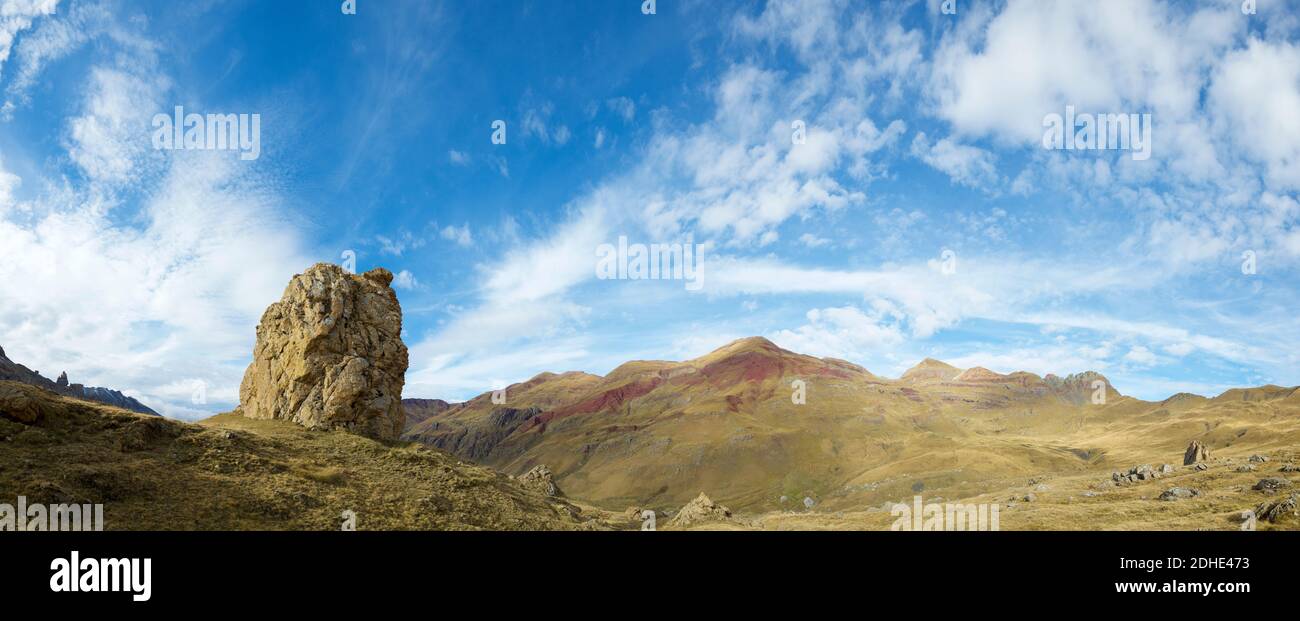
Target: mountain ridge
[751,422]
[12,371]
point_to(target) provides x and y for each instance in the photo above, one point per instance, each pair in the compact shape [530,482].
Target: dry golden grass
[234,473]
[861,441]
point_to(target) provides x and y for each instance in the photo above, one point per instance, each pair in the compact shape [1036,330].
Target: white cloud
[59,35]
[403,242]
[1140,356]
[623,106]
[126,307]
[1256,93]
[17,16]
[998,74]
[1062,359]
[405,280]
[122,292]
[106,141]
[813,241]
[459,234]
[562,135]
[9,182]
[734,178]
[965,164]
[536,123]
[845,332]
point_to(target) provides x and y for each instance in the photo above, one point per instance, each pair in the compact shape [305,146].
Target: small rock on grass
[1177,493]
[1271,484]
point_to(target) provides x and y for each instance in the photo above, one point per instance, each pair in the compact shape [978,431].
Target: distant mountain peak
[750,343]
[931,362]
[931,369]
[978,374]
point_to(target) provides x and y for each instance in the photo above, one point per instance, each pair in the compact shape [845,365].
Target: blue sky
[146,270]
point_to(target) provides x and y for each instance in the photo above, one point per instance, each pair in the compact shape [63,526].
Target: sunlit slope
[234,473]
[655,433]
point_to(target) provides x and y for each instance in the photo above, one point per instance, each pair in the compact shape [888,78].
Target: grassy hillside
[656,434]
[234,473]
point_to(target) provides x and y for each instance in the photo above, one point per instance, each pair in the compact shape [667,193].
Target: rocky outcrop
[22,403]
[1275,511]
[702,509]
[1077,388]
[541,479]
[1143,472]
[1196,453]
[329,355]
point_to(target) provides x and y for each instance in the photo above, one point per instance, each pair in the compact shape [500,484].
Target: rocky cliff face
[329,355]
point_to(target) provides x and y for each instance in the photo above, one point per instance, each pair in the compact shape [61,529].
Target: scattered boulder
[1166,468]
[1246,468]
[1258,459]
[1177,493]
[1030,497]
[1200,467]
[541,479]
[1196,453]
[701,510]
[329,355]
[17,405]
[1279,509]
[1289,468]
[1143,472]
[1271,484]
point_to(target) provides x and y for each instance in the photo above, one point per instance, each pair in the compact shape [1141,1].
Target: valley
[656,434]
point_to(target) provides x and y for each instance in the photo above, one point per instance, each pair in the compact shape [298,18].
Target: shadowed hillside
[234,473]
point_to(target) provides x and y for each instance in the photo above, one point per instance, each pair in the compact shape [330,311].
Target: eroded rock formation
[329,355]
[1196,453]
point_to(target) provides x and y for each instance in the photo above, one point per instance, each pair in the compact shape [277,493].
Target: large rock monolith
[329,355]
